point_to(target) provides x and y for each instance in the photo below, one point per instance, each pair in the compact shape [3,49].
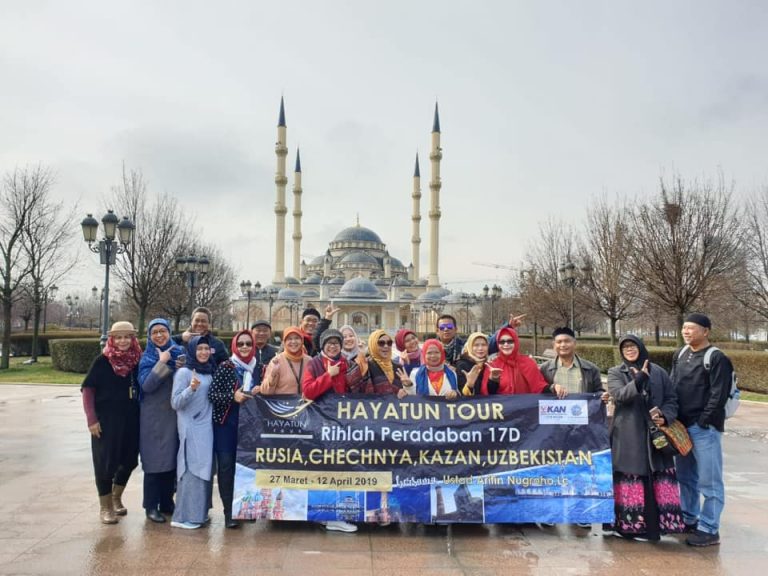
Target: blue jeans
[701,474]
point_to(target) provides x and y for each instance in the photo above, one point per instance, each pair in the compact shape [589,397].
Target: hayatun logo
[286,409]
[576,410]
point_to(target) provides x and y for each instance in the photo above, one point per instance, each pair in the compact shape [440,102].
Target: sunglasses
[384,342]
[244,344]
[506,342]
[444,327]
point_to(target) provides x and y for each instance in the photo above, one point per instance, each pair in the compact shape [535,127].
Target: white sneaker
[340,526]
[186,525]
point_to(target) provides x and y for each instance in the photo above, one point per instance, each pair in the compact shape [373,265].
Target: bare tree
[217,287]
[611,290]
[47,234]
[22,190]
[546,297]
[753,291]
[147,268]
[684,240]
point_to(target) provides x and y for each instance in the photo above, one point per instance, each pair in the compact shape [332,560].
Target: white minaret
[281,151]
[416,220]
[434,203]
[297,217]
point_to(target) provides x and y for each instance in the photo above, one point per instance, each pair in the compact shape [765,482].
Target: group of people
[177,405]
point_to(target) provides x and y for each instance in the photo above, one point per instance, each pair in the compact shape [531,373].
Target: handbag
[678,437]
[661,441]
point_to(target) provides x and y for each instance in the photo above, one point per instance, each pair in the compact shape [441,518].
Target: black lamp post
[48,296]
[570,276]
[469,300]
[492,295]
[245,290]
[191,268]
[118,234]
[72,304]
[269,294]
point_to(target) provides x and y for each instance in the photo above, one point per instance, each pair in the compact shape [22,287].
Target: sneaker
[585,525]
[608,528]
[340,526]
[701,538]
[691,528]
[186,525]
[545,524]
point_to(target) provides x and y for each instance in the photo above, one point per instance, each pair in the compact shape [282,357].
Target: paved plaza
[49,520]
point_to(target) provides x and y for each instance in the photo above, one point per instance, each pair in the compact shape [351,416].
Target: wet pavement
[49,520]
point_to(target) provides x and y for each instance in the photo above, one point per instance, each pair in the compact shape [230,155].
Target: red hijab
[122,362]
[236,351]
[519,373]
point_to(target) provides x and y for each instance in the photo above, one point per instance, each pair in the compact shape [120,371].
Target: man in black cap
[309,319]
[702,392]
[568,373]
[261,331]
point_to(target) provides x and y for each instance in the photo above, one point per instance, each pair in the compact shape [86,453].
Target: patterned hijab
[373,349]
[193,363]
[122,362]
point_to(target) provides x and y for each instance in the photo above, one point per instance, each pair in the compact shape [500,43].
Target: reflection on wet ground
[49,521]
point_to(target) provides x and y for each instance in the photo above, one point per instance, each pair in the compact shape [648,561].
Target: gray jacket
[195,419]
[590,374]
[631,448]
[158,436]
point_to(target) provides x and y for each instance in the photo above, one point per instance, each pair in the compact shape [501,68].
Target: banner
[485,459]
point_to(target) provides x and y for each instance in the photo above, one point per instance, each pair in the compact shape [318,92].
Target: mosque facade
[356,273]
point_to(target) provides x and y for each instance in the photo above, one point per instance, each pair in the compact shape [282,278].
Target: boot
[117,503]
[106,510]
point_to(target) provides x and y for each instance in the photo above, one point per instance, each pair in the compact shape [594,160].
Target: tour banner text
[485,459]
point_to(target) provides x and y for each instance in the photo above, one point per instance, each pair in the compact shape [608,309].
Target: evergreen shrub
[74,355]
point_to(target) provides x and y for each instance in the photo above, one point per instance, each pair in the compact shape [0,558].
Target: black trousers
[225,472]
[158,491]
[107,471]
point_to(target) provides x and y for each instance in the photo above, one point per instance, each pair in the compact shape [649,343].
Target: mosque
[356,274]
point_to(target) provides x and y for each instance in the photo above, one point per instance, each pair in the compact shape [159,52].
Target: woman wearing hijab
[472,370]
[512,372]
[158,437]
[434,377]
[194,465]
[286,370]
[232,385]
[408,346]
[646,492]
[357,365]
[111,404]
[384,376]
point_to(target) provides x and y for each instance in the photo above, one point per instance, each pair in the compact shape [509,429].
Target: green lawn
[40,373]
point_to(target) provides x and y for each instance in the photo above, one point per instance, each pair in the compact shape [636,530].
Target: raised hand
[403,377]
[195,382]
[330,311]
[333,369]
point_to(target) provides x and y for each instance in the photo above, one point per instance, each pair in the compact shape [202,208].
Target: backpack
[734,394]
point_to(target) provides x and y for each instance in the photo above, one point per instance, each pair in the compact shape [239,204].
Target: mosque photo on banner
[253,503]
[329,505]
[457,503]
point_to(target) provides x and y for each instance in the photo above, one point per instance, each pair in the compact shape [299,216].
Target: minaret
[434,203]
[416,220]
[281,150]
[297,217]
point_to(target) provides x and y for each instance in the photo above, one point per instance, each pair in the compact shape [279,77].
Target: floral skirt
[647,506]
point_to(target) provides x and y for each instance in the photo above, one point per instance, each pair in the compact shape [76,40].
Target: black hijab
[642,357]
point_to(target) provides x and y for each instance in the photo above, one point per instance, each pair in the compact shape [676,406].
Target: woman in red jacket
[514,373]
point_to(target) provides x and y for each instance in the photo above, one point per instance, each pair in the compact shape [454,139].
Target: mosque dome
[433,295]
[291,280]
[381,282]
[313,279]
[288,294]
[407,296]
[336,281]
[311,293]
[360,288]
[353,258]
[318,260]
[400,281]
[357,234]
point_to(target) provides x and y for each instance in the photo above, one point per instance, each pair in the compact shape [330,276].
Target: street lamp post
[245,290]
[469,300]
[118,234]
[72,305]
[570,276]
[492,295]
[269,294]
[191,268]
[48,296]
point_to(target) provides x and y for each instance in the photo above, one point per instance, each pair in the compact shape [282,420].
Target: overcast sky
[544,106]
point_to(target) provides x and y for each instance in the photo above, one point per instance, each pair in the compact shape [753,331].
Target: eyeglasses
[244,344]
[158,332]
[506,342]
[444,327]
[384,342]
[333,343]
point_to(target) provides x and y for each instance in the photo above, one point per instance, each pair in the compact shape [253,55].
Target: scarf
[152,353]
[193,363]
[384,363]
[434,377]
[467,350]
[642,357]
[244,365]
[349,354]
[122,362]
[300,354]
[518,376]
